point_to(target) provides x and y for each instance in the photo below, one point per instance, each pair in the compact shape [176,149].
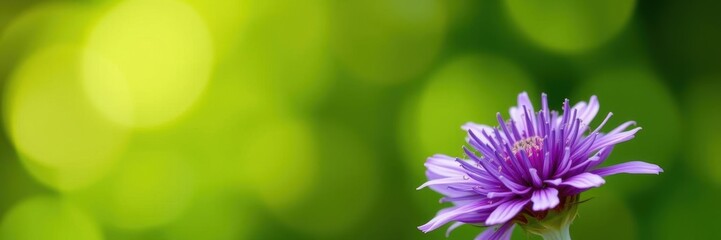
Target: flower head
[529,169]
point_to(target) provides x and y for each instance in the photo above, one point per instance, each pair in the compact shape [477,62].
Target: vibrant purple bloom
[530,168]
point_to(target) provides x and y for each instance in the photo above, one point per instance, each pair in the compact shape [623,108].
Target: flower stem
[560,234]
[554,226]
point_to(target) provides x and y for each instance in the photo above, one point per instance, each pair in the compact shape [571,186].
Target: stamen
[529,145]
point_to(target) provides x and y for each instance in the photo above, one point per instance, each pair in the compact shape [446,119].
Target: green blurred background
[257,119]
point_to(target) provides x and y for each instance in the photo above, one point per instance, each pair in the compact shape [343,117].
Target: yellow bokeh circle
[159,54]
[62,139]
[226,20]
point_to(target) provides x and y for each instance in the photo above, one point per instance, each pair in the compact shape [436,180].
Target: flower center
[529,145]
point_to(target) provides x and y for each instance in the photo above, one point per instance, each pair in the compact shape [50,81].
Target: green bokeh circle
[635,93]
[570,26]
[47,218]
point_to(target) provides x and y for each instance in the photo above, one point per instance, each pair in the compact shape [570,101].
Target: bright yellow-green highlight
[47,218]
[570,26]
[65,143]
[283,119]
[227,22]
[387,41]
[159,54]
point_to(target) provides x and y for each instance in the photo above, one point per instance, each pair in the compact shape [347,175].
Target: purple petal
[525,101]
[444,166]
[450,214]
[445,181]
[514,187]
[584,181]
[501,233]
[534,175]
[565,163]
[544,199]
[518,113]
[593,161]
[553,182]
[615,138]
[588,112]
[463,199]
[622,127]
[506,211]
[477,129]
[442,169]
[603,123]
[492,195]
[523,120]
[634,167]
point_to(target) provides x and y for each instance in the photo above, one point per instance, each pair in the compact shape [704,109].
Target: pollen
[528,145]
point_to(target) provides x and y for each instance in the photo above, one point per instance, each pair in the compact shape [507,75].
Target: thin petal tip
[491,222]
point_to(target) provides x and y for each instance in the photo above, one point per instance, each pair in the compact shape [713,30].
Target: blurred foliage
[249,119]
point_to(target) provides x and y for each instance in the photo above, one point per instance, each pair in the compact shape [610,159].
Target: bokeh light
[218,128]
[705,155]
[45,87]
[467,88]
[471,88]
[282,174]
[296,72]
[251,119]
[226,21]
[48,218]
[387,41]
[345,188]
[214,216]
[159,54]
[569,26]
[41,26]
[656,109]
[150,188]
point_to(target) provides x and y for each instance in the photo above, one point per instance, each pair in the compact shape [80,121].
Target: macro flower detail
[528,171]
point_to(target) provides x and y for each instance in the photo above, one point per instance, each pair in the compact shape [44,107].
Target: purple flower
[529,170]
